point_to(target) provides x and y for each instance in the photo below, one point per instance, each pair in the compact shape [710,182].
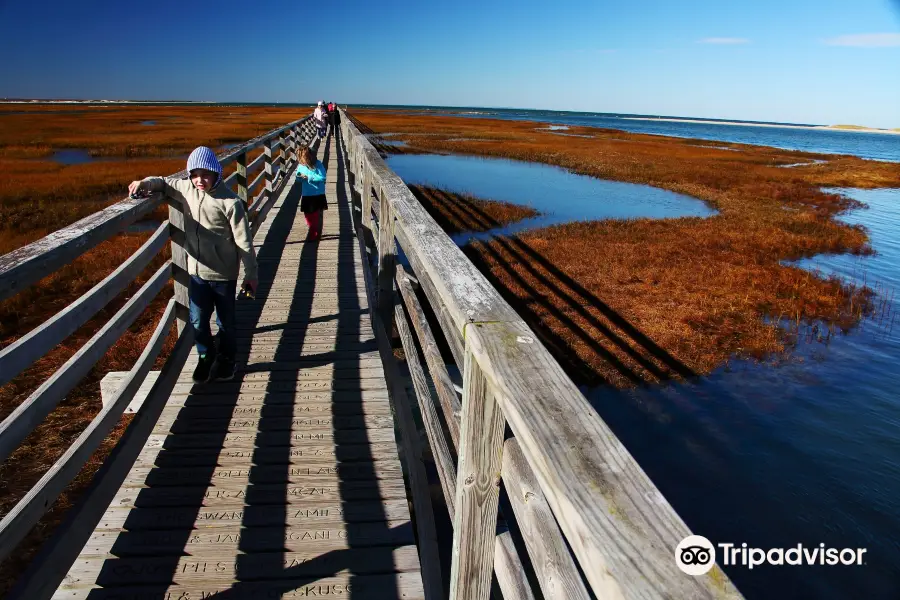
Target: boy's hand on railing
[135,189]
[248,288]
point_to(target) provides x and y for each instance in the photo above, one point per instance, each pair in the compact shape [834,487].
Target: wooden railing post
[180,275]
[477,486]
[270,172]
[241,162]
[365,184]
[387,252]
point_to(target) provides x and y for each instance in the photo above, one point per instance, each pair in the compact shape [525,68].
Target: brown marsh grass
[453,212]
[38,196]
[626,302]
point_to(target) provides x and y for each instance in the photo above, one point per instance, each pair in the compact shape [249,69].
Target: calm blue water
[876,146]
[560,196]
[805,449]
[72,156]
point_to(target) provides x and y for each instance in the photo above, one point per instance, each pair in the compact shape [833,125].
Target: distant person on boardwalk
[319,115]
[217,240]
[313,201]
[331,113]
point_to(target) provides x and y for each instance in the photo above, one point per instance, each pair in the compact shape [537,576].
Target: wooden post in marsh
[387,251]
[180,275]
[241,172]
[477,486]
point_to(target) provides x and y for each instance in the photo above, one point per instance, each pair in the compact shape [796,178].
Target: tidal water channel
[559,195]
[800,449]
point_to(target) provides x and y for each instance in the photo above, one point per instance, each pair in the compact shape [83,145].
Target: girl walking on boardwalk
[312,202]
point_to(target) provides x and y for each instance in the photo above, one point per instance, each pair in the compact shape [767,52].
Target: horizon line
[15,100]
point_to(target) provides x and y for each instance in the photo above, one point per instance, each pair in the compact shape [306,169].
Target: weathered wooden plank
[440,451]
[387,254]
[293,358]
[333,558]
[318,469]
[314,298]
[268,367]
[477,486]
[620,527]
[224,543]
[296,321]
[181,279]
[275,399]
[445,320]
[364,587]
[305,311]
[452,408]
[554,568]
[299,512]
[240,173]
[18,522]
[234,388]
[509,569]
[245,439]
[260,178]
[28,264]
[49,567]
[289,333]
[38,405]
[27,349]
[166,425]
[226,457]
[380,406]
[329,490]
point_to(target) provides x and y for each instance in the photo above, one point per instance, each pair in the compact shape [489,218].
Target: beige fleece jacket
[217,231]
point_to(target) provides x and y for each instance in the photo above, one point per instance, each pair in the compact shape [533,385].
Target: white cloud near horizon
[866,40]
[723,40]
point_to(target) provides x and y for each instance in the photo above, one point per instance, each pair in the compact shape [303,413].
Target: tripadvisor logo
[696,555]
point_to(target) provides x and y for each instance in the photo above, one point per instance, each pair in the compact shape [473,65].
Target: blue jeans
[205,296]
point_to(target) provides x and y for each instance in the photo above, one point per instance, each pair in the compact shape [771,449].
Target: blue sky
[823,61]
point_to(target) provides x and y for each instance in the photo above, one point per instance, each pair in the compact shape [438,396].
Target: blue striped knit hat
[204,158]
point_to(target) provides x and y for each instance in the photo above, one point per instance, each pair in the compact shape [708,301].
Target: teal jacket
[314,183]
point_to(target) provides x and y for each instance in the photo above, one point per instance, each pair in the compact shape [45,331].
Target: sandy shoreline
[773,125]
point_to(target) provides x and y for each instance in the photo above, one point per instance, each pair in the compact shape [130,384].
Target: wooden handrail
[620,528]
[29,348]
[31,508]
[39,404]
[29,264]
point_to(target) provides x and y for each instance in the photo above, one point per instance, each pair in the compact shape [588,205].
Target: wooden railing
[588,515]
[27,265]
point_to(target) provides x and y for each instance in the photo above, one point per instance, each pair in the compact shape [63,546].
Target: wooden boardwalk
[285,482]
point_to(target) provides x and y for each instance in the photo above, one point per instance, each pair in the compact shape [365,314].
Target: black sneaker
[222,369]
[201,372]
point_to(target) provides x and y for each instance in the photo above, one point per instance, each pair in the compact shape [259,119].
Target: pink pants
[314,222]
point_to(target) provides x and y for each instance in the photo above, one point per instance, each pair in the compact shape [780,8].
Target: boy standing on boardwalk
[217,240]
[313,200]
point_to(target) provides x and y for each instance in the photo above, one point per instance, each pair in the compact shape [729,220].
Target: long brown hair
[307,157]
